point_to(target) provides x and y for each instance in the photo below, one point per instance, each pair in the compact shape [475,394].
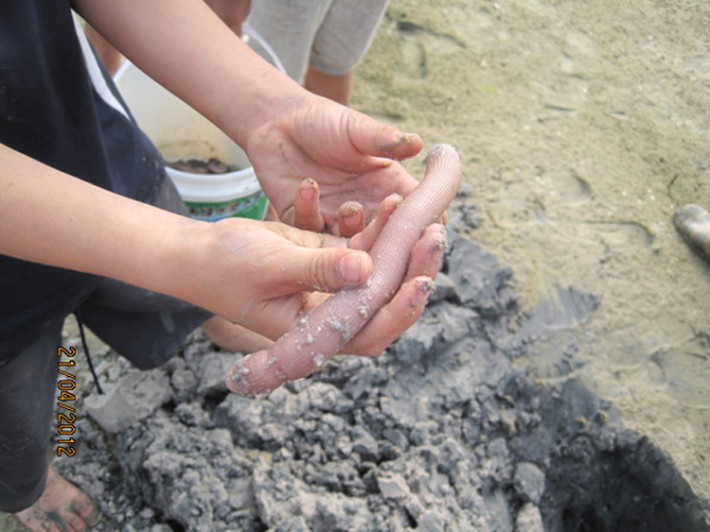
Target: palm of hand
[347,154]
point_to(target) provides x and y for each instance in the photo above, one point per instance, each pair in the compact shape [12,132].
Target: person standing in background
[319,42]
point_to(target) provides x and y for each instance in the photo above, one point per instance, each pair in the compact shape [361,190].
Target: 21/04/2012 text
[67,416]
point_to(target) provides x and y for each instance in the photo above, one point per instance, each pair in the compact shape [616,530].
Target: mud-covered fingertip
[350,209]
[237,379]
[351,218]
[441,238]
[426,286]
[423,289]
[390,203]
[405,145]
[409,138]
[308,189]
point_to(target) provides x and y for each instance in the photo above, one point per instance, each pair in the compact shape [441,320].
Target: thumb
[328,270]
[375,138]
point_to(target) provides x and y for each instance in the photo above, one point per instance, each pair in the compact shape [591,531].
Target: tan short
[328,35]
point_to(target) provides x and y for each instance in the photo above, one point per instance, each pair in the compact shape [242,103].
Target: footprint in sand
[415,42]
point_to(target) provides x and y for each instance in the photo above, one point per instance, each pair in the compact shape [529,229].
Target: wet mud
[210,165]
[444,431]
[583,127]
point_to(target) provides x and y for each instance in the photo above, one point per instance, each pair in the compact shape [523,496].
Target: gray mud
[444,431]
[583,126]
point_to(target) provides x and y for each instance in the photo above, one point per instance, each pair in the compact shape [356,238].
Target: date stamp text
[66,415]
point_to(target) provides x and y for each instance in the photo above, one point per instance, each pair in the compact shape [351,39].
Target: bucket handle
[251,33]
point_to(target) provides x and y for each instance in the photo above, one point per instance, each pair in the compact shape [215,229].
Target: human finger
[325,270]
[351,219]
[300,282]
[375,138]
[408,304]
[291,260]
[263,371]
[306,206]
[427,253]
[393,319]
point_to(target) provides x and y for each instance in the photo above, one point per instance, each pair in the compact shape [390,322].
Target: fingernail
[408,138]
[350,208]
[399,146]
[350,267]
[237,379]
[308,190]
[427,287]
[443,241]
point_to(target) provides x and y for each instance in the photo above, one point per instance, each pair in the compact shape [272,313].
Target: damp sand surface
[582,127]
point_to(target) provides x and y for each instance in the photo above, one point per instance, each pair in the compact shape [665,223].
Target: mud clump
[443,431]
[210,165]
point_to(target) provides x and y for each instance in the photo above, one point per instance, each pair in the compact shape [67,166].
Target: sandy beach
[583,126]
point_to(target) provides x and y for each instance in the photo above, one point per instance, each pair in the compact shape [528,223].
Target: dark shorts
[145,327]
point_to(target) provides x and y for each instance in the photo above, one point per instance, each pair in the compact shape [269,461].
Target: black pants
[143,326]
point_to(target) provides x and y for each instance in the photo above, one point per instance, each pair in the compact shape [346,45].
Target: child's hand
[289,271]
[338,156]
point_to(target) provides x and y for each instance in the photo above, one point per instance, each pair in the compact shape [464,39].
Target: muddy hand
[350,156]
[307,215]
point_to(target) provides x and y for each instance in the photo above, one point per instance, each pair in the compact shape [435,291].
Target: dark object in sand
[693,222]
[202,166]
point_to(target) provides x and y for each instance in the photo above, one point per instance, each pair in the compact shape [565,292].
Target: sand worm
[323,332]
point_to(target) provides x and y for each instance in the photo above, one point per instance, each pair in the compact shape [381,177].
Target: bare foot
[61,508]
[232,337]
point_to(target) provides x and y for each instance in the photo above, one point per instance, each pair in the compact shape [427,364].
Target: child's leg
[338,88]
[289,28]
[27,398]
[342,40]
[38,496]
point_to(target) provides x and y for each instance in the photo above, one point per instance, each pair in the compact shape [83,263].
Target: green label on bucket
[252,206]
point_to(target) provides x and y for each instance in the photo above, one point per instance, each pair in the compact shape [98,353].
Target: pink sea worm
[323,333]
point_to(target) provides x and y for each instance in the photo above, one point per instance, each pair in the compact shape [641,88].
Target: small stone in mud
[364,443]
[529,519]
[529,481]
[393,487]
[135,396]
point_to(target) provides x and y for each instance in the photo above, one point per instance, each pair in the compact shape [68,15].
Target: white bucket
[181,133]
